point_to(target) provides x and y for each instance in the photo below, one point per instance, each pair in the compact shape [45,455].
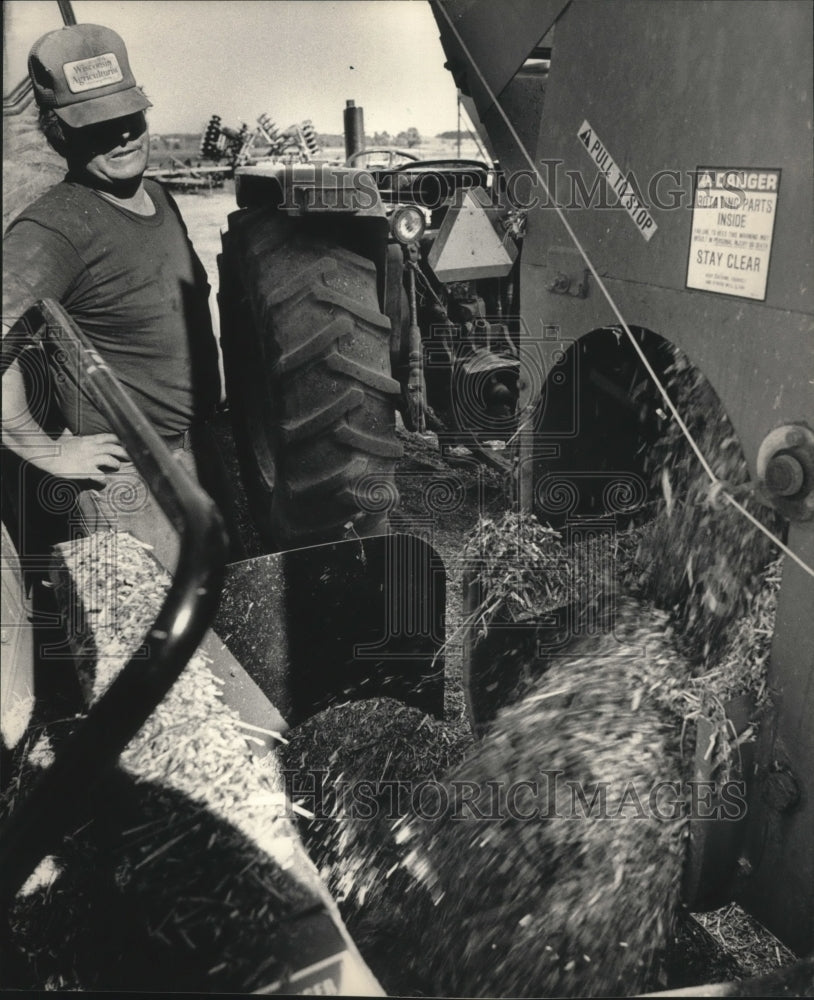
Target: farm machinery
[223,149]
[239,147]
[536,303]
[531,300]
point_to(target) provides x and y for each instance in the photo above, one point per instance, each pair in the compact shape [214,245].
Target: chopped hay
[518,905]
[358,765]
[578,898]
[756,951]
[580,906]
[699,558]
[512,906]
[190,871]
[522,566]
[358,762]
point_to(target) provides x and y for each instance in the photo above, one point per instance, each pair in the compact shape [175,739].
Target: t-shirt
[134,285]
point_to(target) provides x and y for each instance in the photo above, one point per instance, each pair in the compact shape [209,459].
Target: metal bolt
[744,865]
[784,475]
[561,283]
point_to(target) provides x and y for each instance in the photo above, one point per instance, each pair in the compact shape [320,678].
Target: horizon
[448,134]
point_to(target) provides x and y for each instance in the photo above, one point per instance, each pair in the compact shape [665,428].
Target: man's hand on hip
[86,456]
[71,456]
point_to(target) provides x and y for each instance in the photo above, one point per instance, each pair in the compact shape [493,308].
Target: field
[168,150]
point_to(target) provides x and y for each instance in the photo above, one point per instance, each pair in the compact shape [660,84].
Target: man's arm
[70,456]
[39,263]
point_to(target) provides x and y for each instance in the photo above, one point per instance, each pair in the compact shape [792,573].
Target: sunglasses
[106,135]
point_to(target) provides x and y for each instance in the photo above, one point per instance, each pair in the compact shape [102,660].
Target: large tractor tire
[307,359]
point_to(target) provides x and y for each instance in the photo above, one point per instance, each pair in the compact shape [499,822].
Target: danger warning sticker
[619,184]
[732,228]
[88,74]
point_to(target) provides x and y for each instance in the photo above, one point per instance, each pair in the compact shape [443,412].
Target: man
[111,247]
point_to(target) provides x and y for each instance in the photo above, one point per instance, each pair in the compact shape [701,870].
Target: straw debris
[190,870]
[565,904]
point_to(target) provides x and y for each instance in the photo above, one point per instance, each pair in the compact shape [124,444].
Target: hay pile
[30,166]
[503,879]
[190,872]
[580,902]
[574,894]
[698,557]
[364,761]
[732,658]
[357,759]
[480,902]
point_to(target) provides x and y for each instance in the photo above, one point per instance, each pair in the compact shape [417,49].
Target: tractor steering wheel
[445,162]
[390,151]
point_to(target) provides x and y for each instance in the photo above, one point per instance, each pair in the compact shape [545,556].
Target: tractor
[392,291]
[535,298]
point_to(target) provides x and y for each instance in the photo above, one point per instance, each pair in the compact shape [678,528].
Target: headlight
[407,224]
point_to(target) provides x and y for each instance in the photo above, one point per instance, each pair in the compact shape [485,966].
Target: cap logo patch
[89,74]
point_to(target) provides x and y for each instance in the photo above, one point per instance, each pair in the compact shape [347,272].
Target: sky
[292,59]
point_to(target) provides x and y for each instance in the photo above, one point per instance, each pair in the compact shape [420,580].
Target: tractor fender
[309,189]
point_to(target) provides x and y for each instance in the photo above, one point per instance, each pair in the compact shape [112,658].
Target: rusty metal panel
[672,86]
[519,24]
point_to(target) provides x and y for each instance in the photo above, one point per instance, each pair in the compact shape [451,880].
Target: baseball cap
[82,73]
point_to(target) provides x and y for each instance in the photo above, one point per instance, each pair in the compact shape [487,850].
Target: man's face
[113,153]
